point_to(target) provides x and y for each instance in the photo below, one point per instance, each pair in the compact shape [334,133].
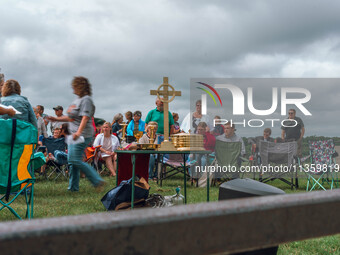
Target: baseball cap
[58,108]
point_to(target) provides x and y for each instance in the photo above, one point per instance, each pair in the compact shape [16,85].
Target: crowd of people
[80,130]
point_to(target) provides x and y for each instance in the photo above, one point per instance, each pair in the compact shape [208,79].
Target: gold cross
[165,93]
[166,145]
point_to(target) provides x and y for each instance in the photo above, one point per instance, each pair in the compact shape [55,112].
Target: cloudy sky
[126,47]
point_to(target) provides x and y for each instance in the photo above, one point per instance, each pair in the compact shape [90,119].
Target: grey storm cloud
[126,47]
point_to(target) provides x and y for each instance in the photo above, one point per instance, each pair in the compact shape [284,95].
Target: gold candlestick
[124,125]
[152,134]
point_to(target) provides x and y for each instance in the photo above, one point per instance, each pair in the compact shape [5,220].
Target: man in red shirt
[209,139]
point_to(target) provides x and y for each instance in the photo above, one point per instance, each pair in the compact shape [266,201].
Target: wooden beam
[208,228]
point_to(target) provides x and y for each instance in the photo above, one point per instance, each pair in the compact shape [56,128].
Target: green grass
[324,245]
[51,199]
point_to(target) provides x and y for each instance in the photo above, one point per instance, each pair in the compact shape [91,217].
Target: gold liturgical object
[152,134]
[166,144]
[186,142]
[151,145]
[124,125]
[137,135]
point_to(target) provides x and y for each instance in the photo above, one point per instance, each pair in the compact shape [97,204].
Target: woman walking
[79,116]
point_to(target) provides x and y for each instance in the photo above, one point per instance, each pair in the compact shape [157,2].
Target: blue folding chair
[57,169]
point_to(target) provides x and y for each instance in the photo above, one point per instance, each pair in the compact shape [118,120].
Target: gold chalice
[137,135]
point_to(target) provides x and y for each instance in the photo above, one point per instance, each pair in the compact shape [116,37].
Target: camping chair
[57,169]
[322,165]
[172,165]
[228,159]
[38,160]
[18,140]
[93,158]
[280,156]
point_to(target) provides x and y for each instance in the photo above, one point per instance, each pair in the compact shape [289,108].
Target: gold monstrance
[166,144]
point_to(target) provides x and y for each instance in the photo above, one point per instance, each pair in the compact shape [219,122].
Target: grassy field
[52,200]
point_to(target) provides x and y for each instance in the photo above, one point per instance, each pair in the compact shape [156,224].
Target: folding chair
[228,160]
[278,162]
[18,140]
[90,155]
[38,160]
[56,168]
[322,165]
[93,158]
[172,165]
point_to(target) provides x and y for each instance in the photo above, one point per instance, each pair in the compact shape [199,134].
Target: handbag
[122,193]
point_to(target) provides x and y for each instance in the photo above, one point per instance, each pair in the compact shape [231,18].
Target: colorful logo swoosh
[209,93]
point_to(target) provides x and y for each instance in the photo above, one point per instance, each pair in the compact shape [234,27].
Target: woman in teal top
[11,96]
[136,124]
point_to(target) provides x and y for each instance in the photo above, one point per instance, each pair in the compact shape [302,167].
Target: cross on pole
[166,145]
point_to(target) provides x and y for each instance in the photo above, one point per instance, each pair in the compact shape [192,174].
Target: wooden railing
[208,228]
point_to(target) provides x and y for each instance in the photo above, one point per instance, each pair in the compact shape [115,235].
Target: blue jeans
[61,157]
[152,173]
[75,159]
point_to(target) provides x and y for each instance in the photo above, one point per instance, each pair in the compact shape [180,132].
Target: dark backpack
[122,193]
